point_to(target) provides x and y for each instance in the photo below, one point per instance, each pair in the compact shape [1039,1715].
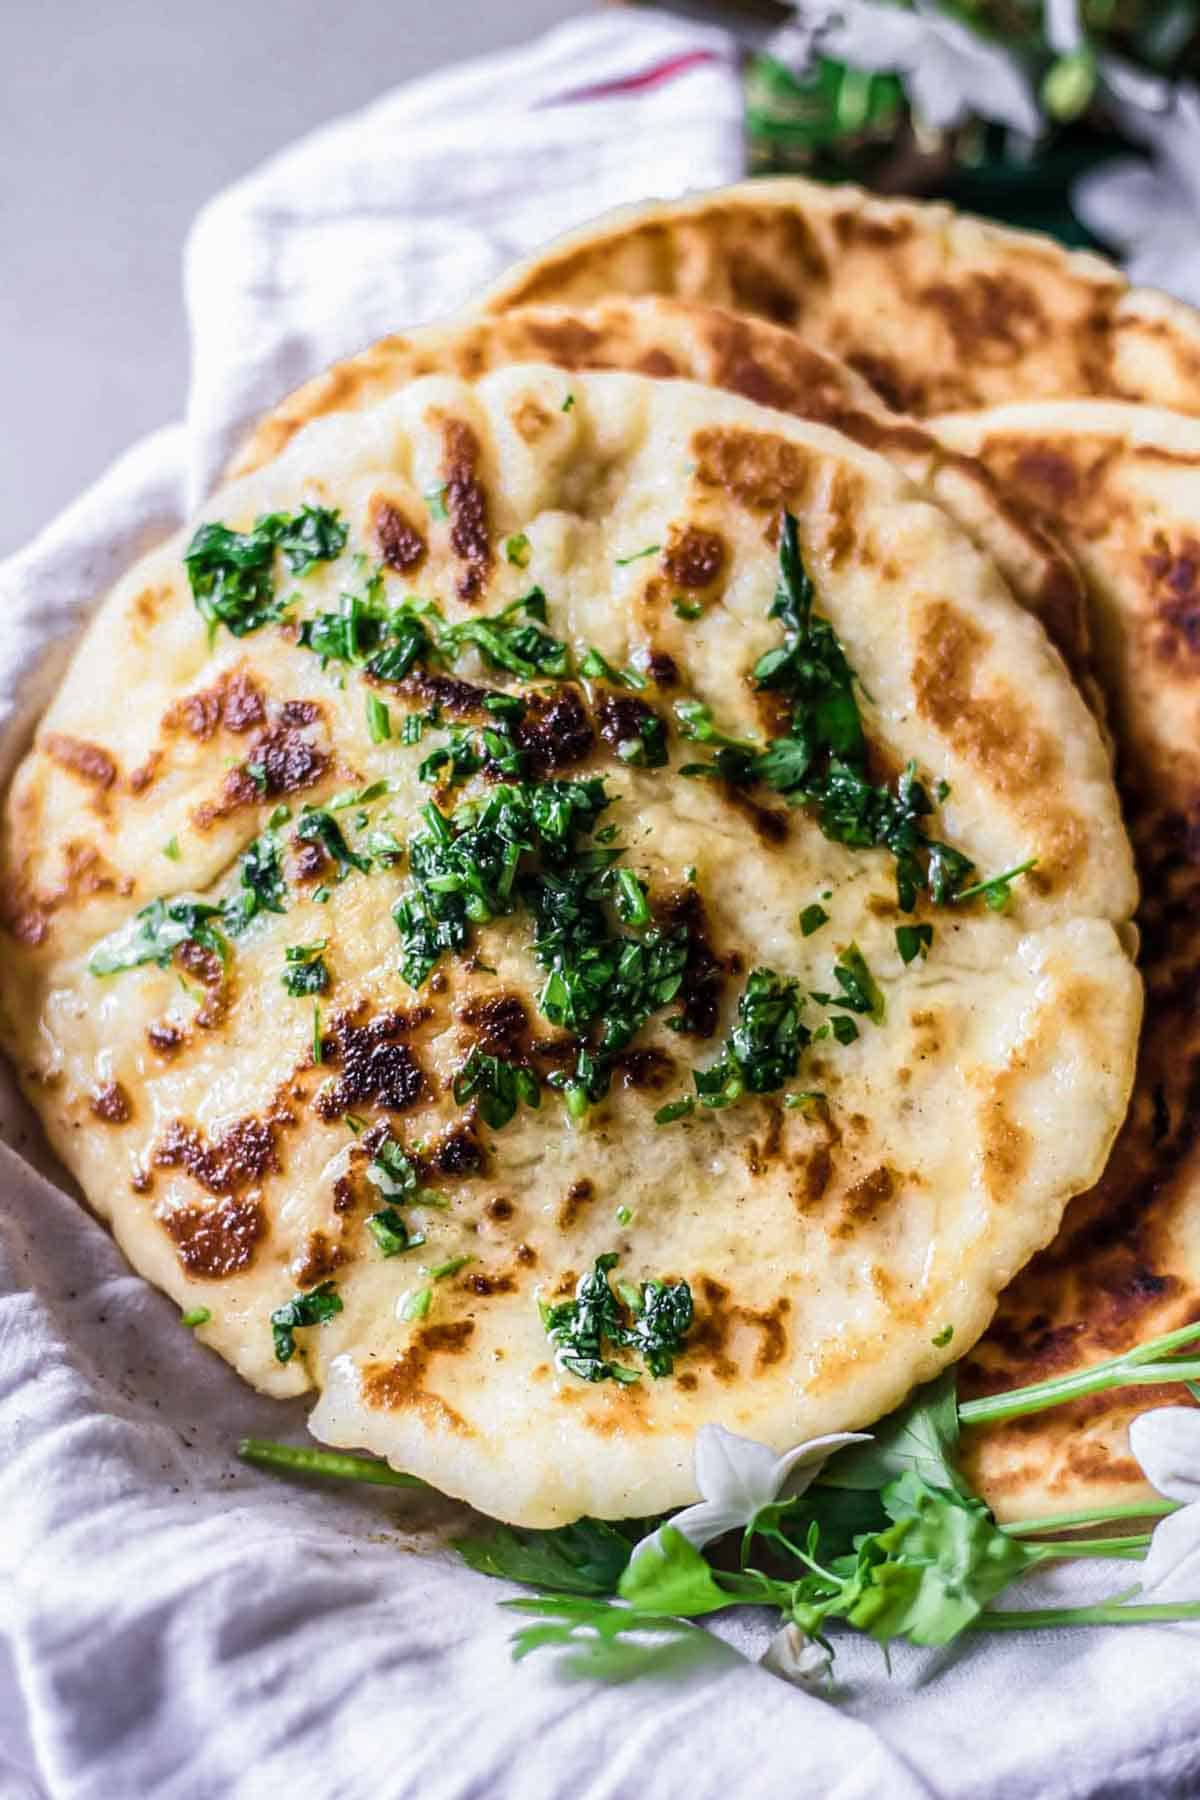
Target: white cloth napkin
[173,1624]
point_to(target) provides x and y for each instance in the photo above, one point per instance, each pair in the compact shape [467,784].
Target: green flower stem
[1135,1368]
[1128,1547]
[1073,1521]
[1108,1613]
[296,1460]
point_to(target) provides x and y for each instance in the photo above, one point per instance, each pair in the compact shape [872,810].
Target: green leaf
[390,1232]
[921,1437]
[812,919]
[668,1576]
[232,573]
[588,1557]
[860,991]
[913,941]
[156,932]
[379,719]
[312,1308]
[947,1560]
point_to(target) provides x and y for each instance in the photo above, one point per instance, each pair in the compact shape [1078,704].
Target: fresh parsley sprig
[232,573]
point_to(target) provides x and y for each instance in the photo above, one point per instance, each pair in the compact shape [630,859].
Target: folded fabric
[174,1624]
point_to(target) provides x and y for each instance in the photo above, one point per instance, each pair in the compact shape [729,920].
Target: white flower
[949,71]
[795,1657]
[738,1478]
[1151,211]
[1166,1443]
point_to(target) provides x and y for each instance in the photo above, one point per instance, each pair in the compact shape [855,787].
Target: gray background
[118,119]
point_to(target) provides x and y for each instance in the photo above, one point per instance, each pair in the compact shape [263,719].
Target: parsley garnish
[171,849]
[860,991]
[232,574]
[675,1109]
[306,971]
[415,1304]
[997,890]
[521,649]
[318,826]
[498,1087]
[624,561]
[763,1049]
[820,762]
[199,1315]
[517,550]
[435,500]
[379,719]
[390,1232]
[313,1308]
[156,932]
[913,941]
[597,667]
[812,919]
[690,610]
[260,887]
[656,1324]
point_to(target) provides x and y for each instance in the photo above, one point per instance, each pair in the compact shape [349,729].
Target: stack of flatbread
[537,554]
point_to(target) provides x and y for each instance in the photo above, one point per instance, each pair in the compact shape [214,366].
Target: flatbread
[938,310]
[1122,484]
[764,363]
[837,1250]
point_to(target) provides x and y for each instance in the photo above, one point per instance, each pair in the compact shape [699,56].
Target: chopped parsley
[156,932]
[415,1304]
[821,761]
[943,1337]
[302,1310]
[435,500]
[171,849]
[655,1323]
[598,668]
[860,991]
[997,890]
[623,562]
[318,1043]
[261,886]
[913,941]
[505,643]
[391,1234]
[199,1315]
[443,1271]
[319,826]
[690,610]
[812,919]
[497,1087]
[517,550]
[232,573]
[568,403]
[675,1109]
[379,719]
[305,971]
[762,1052]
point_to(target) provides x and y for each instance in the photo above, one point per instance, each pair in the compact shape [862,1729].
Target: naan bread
[1123,484]
[939,311]
[747,356]
[838,1250]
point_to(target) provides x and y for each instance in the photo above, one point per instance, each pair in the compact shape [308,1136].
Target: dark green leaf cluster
[497,1087]
[821,761]
[305,969]
[464,866]
[655,1323]
[314,1308]
[261,887]
[763,1049]
[493,748]
[505,643]
[588,1557]
[232,573]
